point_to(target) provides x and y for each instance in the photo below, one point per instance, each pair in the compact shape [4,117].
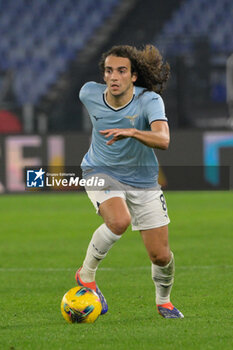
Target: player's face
[118,76]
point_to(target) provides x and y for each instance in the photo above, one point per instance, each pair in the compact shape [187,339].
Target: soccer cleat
[93,286]
[169,311]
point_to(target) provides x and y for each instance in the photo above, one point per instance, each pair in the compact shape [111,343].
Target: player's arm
[157,137]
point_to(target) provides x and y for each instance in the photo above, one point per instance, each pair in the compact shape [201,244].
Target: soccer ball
[81,305]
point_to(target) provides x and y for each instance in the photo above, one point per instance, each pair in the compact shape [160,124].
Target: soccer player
[128,118]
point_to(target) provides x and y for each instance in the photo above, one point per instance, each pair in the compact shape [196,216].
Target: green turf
[43,240]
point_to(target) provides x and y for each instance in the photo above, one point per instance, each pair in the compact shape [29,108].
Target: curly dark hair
[148,63]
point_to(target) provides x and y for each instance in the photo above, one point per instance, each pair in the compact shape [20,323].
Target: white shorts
[147,207]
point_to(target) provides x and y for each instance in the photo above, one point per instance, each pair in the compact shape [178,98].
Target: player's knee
[161,259]
[119,225]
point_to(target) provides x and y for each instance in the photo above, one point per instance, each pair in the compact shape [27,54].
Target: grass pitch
[43,239]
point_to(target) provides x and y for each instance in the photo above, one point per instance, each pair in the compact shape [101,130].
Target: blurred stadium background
[48,49]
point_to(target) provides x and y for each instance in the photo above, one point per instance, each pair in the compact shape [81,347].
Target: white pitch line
[58,269]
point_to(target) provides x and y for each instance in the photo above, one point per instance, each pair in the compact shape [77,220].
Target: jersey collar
[119,108]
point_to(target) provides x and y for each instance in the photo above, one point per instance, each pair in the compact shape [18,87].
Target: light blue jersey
[128,160]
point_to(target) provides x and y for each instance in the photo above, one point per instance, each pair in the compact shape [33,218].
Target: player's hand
[118,134]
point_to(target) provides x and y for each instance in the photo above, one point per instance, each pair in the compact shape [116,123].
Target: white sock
[102,240]
[163,277]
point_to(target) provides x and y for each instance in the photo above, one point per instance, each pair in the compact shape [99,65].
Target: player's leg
[157,246]
[115,214]
[163,269]
[149,216]
[116,220]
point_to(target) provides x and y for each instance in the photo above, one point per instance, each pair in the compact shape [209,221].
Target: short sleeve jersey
[127,160]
